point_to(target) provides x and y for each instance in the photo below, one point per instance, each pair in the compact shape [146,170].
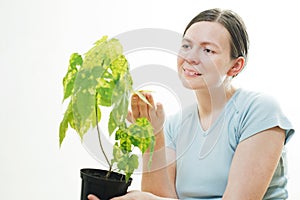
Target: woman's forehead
[208,32]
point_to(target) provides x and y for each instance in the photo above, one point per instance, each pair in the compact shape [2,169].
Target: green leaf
[123,88]
[103,39]
[103,53]
[84,99]
[128,163]
[133,165]
[117,153]
[111,124]
[120,99]
[119,67]
[63,127]
[68,83]
[68,80]
[141,133]
[133,162]
[125,142]
[83,109]
[75,60]
[104,96]
[142,136]
[112,84]
[68,119]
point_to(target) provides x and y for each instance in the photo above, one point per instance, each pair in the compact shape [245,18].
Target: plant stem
[100,142]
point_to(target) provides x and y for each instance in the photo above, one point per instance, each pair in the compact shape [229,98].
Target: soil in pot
[95,182]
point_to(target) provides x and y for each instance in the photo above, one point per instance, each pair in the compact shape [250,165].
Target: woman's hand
[137,195]
[132,195]
[92,197]
[154,113]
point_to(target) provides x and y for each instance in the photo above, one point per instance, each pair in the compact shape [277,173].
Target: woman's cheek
[180,62]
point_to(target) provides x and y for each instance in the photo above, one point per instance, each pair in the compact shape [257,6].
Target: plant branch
[100,142]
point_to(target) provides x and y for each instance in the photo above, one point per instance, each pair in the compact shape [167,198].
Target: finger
[143,108]
[119,198]
[92,197]
[129,117]
[160,111]
[152,112]
[129,195]
[150,99]
[135,106]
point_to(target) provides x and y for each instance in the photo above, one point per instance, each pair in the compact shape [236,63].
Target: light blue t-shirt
[204,157]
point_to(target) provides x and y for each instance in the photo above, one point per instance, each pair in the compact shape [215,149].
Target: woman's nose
[193,57]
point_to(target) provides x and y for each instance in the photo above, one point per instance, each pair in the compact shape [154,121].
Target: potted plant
[102,78]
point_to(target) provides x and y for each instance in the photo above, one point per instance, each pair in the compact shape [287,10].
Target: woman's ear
[237,67]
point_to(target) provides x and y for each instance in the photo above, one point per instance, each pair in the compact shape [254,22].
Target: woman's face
[204,56]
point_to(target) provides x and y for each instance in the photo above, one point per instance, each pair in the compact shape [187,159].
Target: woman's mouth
[190,72]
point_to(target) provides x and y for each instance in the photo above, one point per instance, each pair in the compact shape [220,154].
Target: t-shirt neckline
[229,102]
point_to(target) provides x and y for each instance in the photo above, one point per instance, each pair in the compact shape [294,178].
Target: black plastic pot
[95,182]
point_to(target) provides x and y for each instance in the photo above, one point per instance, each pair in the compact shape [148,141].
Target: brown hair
[233,23]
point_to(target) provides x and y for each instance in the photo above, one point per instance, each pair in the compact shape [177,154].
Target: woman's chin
[192,84]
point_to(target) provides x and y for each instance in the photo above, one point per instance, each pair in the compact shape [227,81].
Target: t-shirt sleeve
[262,113]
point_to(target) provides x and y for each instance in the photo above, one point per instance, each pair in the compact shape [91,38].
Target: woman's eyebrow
[186,40]
[210,43]
[201,43]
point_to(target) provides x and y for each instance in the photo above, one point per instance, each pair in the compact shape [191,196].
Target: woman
[230,144]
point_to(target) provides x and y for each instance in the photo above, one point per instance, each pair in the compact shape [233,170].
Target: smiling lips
[191,72]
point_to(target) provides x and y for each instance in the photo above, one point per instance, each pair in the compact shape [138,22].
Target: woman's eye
[208,50]
[185,46]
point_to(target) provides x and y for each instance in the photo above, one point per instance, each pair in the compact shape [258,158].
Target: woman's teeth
[191,72]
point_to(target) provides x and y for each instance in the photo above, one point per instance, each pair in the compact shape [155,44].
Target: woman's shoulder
[257,112]
[248,99]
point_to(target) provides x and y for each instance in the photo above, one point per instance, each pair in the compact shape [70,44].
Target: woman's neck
[211,102]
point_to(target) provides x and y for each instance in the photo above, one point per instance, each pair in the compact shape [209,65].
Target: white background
[36,40]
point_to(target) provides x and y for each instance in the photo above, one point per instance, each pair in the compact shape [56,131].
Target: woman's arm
[254,164]
[159,178]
